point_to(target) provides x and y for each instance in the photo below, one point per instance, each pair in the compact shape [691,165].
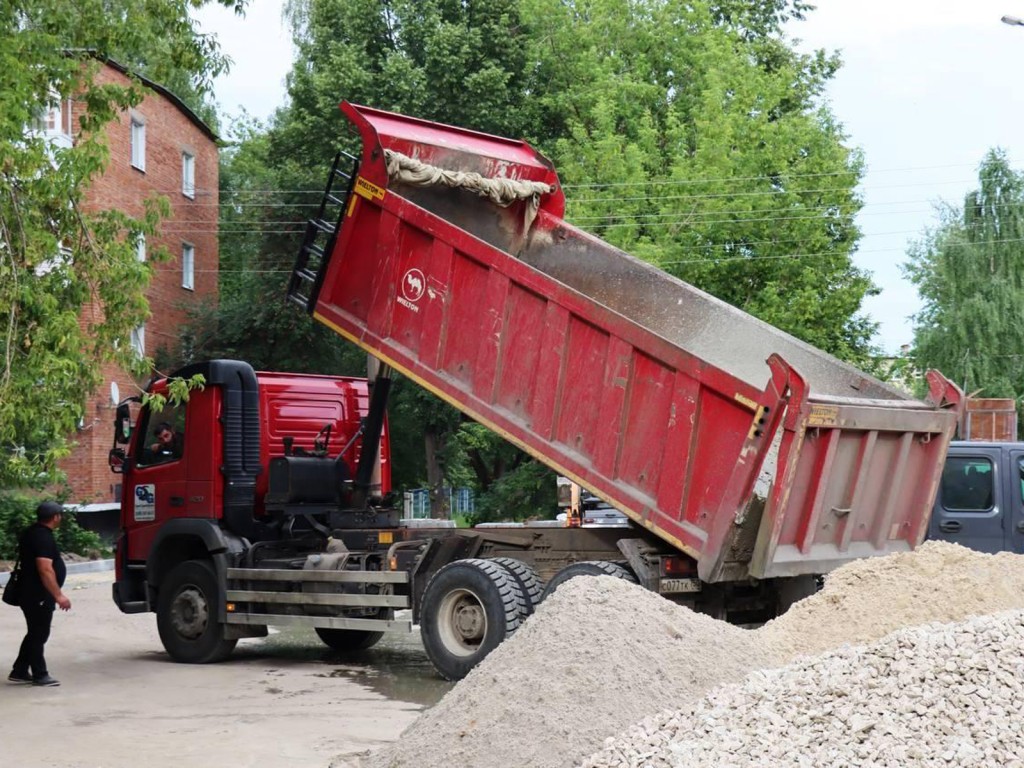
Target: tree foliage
[969,271]
[688,133]
[56,254]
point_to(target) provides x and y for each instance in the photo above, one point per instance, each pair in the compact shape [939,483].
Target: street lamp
[1014,21]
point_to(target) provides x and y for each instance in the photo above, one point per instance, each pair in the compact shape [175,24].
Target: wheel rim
[190,613]
[462,622]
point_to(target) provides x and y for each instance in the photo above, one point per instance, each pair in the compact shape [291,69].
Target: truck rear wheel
[186,615]
[588,568]
[352,639]
[528,582]
[469,607]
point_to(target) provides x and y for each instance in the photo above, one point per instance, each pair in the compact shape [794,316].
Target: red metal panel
[547,393]
[490,336]
[586,353]
[466,314]
[679,437]
[643,448]
[433,309]
[521,352]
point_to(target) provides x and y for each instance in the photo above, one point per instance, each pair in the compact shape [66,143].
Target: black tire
[346,640]
[531,586]
[468,608]
[587,568]
[186,615]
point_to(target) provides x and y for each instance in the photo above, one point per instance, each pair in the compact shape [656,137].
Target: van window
[967,483]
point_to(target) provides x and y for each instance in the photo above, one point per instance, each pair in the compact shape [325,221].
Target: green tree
[56,256]
[969,272]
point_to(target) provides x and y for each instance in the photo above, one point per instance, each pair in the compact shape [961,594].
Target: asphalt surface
[285,700]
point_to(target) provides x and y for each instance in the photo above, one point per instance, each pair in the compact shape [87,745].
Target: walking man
[42,573]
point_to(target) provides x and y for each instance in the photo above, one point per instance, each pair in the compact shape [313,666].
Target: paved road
[281,701]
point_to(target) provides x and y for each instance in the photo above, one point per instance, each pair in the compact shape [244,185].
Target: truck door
[158,480]
[1014,513]
[968,509]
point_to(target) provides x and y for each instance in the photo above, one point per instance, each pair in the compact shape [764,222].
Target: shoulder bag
[12,592]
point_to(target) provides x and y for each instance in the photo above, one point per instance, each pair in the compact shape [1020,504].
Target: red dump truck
[748,462]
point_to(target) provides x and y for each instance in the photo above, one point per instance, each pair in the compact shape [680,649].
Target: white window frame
[138,142]
[188,175]
[140,248]
[138,340]
[188,266]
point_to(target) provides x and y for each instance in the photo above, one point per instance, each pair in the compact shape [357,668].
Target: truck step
[348,577]
[328,622]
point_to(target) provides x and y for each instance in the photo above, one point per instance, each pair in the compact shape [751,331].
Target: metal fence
[460,501]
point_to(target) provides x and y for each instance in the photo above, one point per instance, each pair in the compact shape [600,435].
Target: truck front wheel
[469,607]
[186,615]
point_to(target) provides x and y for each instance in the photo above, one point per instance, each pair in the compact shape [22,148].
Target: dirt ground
[284,700]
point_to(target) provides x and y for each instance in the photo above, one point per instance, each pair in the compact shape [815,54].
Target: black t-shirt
[38,541]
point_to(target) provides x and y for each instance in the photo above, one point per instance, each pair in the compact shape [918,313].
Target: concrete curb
[88,566]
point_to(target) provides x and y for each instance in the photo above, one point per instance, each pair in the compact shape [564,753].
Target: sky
[926,88]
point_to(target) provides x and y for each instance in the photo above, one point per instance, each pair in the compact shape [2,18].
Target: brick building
[159,147]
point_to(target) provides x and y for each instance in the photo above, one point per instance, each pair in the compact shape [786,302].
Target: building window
[139,340]
[188,175]
[138,143]
[188,265]
[140,248]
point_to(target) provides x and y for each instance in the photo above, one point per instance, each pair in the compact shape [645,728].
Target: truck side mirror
[122,424]
[117,459]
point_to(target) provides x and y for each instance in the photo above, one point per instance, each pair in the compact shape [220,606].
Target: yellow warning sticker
[746,401]
[823,416]
[368,190]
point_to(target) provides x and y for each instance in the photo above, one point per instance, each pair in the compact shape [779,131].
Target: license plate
[675,586]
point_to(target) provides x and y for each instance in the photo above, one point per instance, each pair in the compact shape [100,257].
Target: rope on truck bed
[502,192]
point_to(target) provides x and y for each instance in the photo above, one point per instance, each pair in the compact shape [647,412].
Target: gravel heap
[867,599]
[600,654]
[937,695]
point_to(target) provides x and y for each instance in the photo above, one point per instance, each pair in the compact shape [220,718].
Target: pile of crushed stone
[936,695]
[867,599]
[601,654]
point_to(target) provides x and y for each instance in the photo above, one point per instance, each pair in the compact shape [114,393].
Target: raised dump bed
[750,451]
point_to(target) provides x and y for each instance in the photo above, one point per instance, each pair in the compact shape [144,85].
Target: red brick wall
[169,132]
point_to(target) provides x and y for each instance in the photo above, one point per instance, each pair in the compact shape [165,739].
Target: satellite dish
[115,393]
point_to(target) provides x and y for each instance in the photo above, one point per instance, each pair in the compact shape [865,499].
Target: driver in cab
[169,444]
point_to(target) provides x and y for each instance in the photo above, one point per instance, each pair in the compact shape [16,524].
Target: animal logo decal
[413,285]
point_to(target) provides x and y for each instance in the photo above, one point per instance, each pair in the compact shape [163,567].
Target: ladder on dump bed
[321,232]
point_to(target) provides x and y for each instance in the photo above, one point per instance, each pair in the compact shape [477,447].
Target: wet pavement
[396,667]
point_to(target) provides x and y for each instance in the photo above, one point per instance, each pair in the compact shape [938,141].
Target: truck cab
[980,502]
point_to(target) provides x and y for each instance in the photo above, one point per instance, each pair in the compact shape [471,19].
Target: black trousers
[38,617]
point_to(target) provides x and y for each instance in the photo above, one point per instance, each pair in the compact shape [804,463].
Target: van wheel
[186,615]
[588,568]
[469,607]
[531,586]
